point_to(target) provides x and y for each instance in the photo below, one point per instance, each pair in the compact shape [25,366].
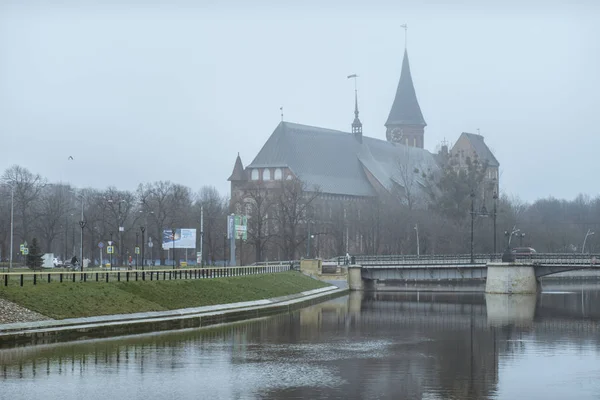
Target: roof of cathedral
[405,109]
[238,173]
[481,149]
[335,162]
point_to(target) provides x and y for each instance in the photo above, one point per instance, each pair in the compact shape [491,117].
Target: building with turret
[350,166]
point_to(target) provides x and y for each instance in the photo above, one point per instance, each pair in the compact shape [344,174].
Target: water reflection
[365,345]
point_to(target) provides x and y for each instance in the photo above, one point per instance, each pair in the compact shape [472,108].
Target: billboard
[184,239]
[237,224]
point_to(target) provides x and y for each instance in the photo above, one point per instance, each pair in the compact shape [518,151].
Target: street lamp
[136,249]
[12,225]
[112,250]
[483,213]
[589,233]
[508,256]
[495,214]
[418,248]
[143,229]
[121,229]
[520,236]
[173,255]
[82,224]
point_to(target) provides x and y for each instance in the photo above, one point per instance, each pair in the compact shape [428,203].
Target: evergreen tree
[35,256]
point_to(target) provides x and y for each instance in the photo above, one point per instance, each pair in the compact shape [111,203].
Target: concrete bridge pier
[510,278]
[355,281]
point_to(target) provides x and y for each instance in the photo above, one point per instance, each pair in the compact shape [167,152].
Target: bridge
[387,270]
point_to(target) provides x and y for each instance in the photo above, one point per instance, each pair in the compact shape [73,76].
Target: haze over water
[375,346]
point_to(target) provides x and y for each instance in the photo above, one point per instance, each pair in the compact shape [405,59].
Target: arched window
[266,174]
[254,174]
[278,174]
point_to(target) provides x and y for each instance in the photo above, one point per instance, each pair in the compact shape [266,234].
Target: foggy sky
[153,91]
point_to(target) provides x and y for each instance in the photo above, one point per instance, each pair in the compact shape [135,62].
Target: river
[361,346]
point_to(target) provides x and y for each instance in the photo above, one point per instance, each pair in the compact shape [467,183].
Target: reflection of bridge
[462,267]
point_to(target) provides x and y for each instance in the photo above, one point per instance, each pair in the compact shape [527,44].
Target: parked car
[57,263]
[521,252]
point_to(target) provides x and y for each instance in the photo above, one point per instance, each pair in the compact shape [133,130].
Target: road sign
[150,244]
[137,250]
[101,244]
[22,248]
[26,251]
[121,229]
[110,250]
[199,257]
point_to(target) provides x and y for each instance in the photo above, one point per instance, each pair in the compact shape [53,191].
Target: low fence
[21,278]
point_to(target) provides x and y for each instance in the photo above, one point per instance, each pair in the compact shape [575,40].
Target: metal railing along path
[137,275]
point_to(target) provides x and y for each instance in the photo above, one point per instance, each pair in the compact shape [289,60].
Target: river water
[362,346]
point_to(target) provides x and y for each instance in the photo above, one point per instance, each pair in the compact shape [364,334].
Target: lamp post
[418,248]
[521,236]
[472,224]
[136,249]
[12,225]
[508,256]
[112,251]
[143,229]
[589,233]
[495,214]
[308,240]
[82,224]
[483,212]
[173,255]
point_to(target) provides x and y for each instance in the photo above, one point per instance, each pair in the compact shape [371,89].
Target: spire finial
[405,34]
[281,109]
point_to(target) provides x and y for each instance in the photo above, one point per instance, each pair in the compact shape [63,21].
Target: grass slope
[71,300]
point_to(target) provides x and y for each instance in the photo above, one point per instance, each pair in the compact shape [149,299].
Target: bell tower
[405,123]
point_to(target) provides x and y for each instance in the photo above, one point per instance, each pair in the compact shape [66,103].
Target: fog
[157,90]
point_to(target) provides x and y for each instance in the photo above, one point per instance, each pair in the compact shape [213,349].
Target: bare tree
[294,203]
[215,225]
[27,188]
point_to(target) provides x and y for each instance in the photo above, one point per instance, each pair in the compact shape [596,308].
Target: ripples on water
[371,346]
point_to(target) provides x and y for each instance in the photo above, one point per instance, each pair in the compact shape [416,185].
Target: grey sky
[152,91]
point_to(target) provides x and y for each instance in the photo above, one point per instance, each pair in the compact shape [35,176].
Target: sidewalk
[111,325]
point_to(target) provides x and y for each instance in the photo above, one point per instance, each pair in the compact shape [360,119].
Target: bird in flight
[70,157]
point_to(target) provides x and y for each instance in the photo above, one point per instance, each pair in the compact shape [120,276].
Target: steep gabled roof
[483,152]
[322,158]
[405,109]
[238,173]
[335,161]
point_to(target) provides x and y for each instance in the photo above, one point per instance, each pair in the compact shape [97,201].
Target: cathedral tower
[405,124]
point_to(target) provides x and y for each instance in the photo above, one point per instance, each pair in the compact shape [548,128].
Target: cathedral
[349,166]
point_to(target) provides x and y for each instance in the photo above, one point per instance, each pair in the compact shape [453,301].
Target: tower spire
[405,123]
[356,124]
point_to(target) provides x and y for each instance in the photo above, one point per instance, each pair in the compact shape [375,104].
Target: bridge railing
[428,259]
[462,259]
[562,258]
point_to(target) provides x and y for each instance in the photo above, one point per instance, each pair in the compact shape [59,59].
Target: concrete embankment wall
[105,326]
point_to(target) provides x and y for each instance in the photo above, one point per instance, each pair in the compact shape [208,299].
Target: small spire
[356,124]
[281,109]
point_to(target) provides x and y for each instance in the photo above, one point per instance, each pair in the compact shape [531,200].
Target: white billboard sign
[184,239]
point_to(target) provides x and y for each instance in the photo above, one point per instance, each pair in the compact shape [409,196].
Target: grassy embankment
[79,299]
